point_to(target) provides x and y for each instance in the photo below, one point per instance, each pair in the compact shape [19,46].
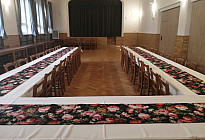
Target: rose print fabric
[193,83]
[101,114]
[11,82]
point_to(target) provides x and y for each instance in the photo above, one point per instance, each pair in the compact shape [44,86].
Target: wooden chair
[191,65]
[45,87]
[72,42]
[41,54]
[168,56]
[39,89]
[49,82]
[10,66]
[56,81]
[152,49]
[68,70]
[134,69]
[161,53]
[93,43]
[51,49]
[126,61]
[57,47]
[87,44]
[70,66]
[21,62]
[62,75]
[140,75]
[163,87]
[33,57]
[154,82]
[122,56]
[47,51]
[81,42]
[78,57]
[59,79]
[131,67]
[204,70]
[180,61]
[155,51]
[145,80]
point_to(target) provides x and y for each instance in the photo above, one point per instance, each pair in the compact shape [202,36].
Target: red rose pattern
[92,114]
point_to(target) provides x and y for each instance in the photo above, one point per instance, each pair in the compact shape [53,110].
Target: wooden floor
[101,74]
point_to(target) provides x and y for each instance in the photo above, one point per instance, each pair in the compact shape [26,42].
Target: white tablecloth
[176,88]
[106,131]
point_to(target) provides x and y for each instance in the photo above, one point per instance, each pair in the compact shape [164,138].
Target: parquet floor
[101,74]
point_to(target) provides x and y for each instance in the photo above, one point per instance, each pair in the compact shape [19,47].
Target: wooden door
[168,30]
[196,49]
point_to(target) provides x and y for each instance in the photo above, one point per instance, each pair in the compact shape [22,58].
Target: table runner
[193,83]
[101,114]
[13,81]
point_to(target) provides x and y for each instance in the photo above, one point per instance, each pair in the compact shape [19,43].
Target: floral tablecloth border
[13,81]
[193,83]
[102,114]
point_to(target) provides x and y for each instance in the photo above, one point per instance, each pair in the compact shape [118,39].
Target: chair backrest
[180,61]
[49,83]
[146,70]
[47,51]
[168,56]
[58,47]
[10,66]
[51,49]
[34,56]
[154,78]
[163,87]
[41,54]
[21,62]
[39,89]
[87,41]
[161,53]
[155,51]
[191,65]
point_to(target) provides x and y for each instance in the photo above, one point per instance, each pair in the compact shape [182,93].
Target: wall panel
[196,47]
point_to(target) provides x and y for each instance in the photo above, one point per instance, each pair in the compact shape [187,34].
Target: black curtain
[95,18]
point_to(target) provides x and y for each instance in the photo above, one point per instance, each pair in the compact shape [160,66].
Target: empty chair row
[20,62]
[54,83]
[148,82]
[182,61]
[84,43]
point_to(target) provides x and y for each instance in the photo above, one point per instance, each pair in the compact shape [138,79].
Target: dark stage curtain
[95,18]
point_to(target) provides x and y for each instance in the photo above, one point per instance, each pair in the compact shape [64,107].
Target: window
[40,19]
[49,9]
[25,17]
[2,31]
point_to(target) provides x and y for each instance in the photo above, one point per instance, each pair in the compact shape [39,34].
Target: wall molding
[177,4]
[194,0]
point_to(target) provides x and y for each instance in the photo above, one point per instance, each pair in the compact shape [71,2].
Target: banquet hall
[102,69]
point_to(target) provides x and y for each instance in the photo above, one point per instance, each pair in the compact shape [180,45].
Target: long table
[25,89]
[176,88]
[107,131]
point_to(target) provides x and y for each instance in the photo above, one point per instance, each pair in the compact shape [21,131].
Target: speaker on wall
[55,34]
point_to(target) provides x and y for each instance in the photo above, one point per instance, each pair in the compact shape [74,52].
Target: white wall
[147,23]
[60,15]
[131,15]
[9,15]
